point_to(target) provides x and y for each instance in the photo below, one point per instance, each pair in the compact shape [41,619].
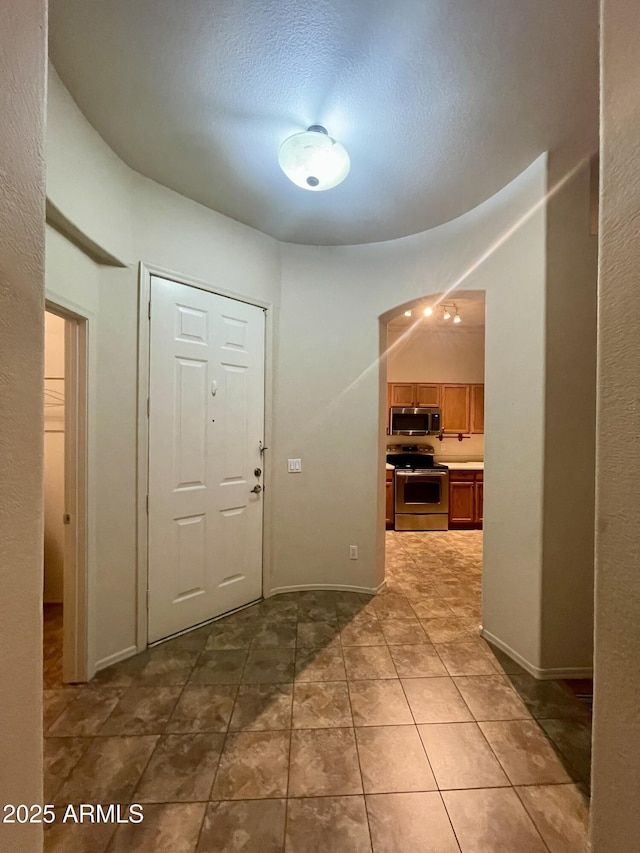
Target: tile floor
[328,722]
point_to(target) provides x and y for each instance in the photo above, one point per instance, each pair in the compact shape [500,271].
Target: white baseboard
[116,658]
[310,587]
[536,671]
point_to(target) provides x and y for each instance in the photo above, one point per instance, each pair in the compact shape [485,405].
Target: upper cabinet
[413,394]
[462,405]
[456,408]
[477,408]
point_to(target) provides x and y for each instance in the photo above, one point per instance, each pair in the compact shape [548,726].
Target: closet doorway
[65,490]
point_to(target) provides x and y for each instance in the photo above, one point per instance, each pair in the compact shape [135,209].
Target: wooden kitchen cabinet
[413,394]
[427,395]
[477,408]
[456,408]
[390,504]
[466,497]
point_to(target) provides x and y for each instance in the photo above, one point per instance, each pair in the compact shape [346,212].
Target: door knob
[256,490]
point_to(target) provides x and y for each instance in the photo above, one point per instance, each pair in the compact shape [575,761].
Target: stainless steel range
[422,490]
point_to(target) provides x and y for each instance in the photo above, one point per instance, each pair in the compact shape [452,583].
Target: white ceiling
[439,102]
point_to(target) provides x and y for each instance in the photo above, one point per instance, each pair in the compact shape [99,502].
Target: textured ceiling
[439,102]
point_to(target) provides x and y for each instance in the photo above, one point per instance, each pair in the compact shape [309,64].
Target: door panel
[206,422]
[427,395]
[403,394]
[456,414]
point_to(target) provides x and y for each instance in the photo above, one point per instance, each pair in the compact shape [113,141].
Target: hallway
[326,721]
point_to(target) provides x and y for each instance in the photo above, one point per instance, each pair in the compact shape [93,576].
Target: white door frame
[144,328]
[75,631]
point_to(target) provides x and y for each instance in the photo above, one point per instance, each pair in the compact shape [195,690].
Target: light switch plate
[294,466]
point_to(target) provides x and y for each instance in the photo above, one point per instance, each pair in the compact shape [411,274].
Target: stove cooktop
[413,461]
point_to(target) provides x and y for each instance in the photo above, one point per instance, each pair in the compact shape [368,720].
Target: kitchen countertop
[390,467]
[464,466]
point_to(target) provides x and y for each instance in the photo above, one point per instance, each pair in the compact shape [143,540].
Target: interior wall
[131,219]
[54,330]
[22,201]
[615,820]
[329,396]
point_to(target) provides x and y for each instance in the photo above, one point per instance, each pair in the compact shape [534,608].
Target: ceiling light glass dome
[313,160]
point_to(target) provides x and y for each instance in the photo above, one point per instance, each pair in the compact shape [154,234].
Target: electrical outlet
[294,466]
[353,552]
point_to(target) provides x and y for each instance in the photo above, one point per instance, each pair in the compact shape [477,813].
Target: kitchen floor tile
[167,667]
[420,661]
[261,707]
[253,765]
[572,738]
[403,632]
[324,762]
[410,822]
[108,771]
[524,752]
[320,825]
[320,664]
[61,754]
[219,666]
[181,769]
[244,826]
[142,711]
[225,637]
[379,703]
[465,659]
[448,630]
[561,814]
[321,705]
[361,631]
[171,826]
[492,820]
[269,666]
[203,708]
[435,700]
[316,635]
[491,698]
[392,758]
[86,712]
[548,699]
[367,662]
[460,756]
[431,607]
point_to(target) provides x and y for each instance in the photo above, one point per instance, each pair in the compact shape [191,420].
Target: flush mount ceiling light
[313,160]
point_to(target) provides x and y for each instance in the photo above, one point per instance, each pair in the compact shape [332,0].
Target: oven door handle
[400,473]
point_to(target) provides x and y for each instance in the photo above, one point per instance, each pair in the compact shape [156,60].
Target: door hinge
[148,407]
[147,599]
[147,504]
[149,311]
[66,518]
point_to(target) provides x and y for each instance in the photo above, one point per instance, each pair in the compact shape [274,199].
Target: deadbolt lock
[258,472]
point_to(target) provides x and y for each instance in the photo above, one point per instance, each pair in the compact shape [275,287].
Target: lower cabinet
[466,496]
[390,513]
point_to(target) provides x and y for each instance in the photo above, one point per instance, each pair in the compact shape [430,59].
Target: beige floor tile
[181,769]
[405,632]
[367,662]
[61,754]
[219,666]
[460,756]
[274,635]
[410,822]
[431,608]
[466,659]
[269,666]
[548,699]
[77,837]
[167,667]
[392,758]
[421,661]
[262,707]
[142,711]
[244,826]
[174,827]
[320,664]
[448,630]
[572,737]
[361,631]
[224,637]
[491,698]
[108,771]
[203,708]
[319,705]
[524,752]
[492,820]
[327,825]
[316,635]
[324,762]
[435,700]
[253,765]
[87,712]
[379,703]
[561,813]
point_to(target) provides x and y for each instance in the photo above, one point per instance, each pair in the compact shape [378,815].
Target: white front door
[206,421]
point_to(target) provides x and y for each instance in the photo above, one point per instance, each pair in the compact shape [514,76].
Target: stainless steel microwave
[424,420]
